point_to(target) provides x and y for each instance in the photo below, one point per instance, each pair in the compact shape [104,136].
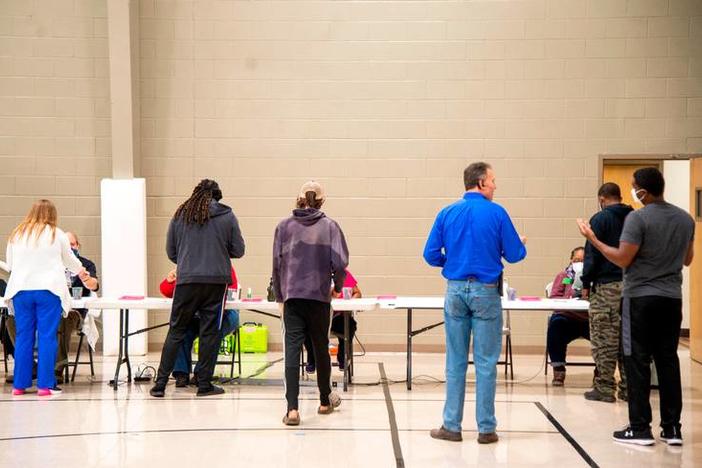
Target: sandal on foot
[289,421]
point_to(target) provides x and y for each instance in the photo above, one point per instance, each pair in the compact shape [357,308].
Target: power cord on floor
[144,373]
[256,373]
[363,348]
[431,380]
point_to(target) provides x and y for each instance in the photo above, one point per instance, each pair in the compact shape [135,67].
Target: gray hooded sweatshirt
[309,252]
[202,253]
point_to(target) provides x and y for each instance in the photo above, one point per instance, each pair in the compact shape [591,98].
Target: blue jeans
[36,312]
[184,359]
[474,307]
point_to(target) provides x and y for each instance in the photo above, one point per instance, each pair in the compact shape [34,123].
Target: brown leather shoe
[444,434]
[558,378]
[487,438]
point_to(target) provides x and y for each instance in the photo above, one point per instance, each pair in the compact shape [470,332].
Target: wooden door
[621,174]
[696,267]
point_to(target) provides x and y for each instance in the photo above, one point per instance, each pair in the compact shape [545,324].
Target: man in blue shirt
[468,240]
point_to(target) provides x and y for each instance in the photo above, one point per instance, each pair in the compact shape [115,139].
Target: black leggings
[301,318]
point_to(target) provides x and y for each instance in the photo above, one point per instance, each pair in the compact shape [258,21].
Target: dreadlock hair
[196,209]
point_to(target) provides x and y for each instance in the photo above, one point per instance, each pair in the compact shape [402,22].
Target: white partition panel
[677,192]
[123,220]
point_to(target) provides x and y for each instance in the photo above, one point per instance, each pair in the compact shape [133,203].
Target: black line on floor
[61,399]
[396,448]
[578,448]
[170,431]
[238,429]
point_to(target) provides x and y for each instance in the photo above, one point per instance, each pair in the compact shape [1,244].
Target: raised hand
[585,229]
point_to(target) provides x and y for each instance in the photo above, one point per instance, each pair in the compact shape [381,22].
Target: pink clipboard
[386,297]
[529,298]
[252,299]
[131,298]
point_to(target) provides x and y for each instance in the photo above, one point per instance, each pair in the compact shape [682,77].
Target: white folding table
[411,303]
[262,307]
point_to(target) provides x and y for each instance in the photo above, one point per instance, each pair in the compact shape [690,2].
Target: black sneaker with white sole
[630,436]
[671,435]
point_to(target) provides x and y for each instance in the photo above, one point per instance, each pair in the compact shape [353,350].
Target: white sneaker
[334,399]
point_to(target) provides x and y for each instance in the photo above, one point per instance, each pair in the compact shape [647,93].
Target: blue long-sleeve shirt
[469,239]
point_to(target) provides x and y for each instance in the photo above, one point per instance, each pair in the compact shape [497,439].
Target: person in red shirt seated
[567,325]
[184,362]
[337,327]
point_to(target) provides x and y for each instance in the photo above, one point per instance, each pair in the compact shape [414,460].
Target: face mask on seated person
[578,267]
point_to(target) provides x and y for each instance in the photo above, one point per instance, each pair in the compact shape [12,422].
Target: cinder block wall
[385,103]
[54,113]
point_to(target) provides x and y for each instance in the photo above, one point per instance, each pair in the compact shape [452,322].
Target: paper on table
[529,298]
[131,298]
[386,297]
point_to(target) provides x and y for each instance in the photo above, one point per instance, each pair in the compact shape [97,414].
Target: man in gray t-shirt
[663,233]
[655,243]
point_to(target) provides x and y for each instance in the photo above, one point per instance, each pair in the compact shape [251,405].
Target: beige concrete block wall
[387,102]
[384,102]
[54,113]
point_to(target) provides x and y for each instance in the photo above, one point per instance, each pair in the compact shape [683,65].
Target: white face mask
[635,196]
[578,267]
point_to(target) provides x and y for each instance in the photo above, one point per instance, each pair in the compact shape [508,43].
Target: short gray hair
[475,173]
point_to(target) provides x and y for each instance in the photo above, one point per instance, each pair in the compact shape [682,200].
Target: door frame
[623,159]
[643,158]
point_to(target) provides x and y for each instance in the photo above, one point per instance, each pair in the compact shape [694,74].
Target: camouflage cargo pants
[605,336]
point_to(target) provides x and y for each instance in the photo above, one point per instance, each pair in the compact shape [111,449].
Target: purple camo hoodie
[309,251]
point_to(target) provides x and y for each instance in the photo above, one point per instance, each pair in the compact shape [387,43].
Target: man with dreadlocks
[202,238]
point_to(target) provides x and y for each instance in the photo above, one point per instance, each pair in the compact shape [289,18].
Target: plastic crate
[254,337]
[227,346]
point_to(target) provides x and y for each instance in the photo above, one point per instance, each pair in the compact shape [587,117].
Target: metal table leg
[347,359]
[120,351]
[123,354]
[126,346]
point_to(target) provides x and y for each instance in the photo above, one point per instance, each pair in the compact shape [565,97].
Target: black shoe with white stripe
[630,436]
[671,435]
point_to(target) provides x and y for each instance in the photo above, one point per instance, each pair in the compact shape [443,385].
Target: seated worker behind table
[337,327]
[72,322]
[566,325]
[184,362]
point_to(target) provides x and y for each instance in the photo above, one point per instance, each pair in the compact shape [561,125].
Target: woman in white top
[38,254]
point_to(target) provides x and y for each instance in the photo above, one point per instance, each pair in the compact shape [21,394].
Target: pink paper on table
[252,299]
[387,296]
[529,298]
[131,298]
